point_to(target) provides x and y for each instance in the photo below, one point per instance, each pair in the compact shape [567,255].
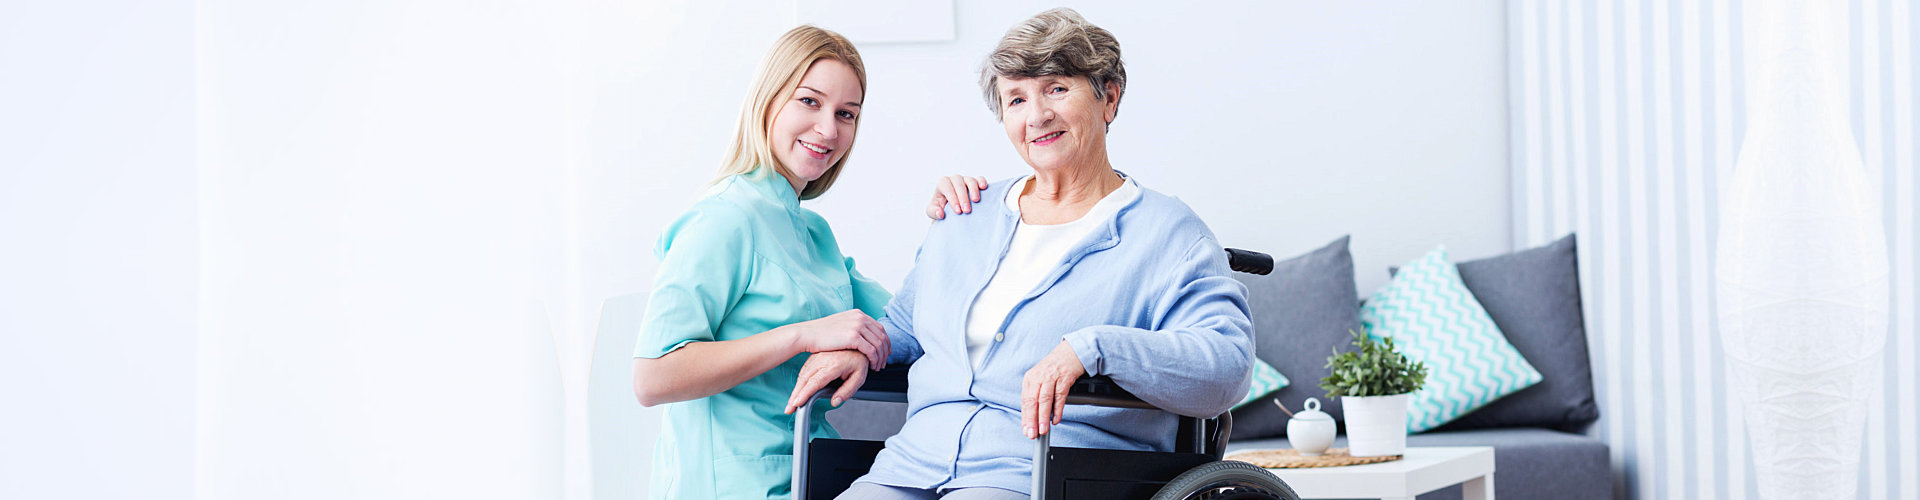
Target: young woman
[749,282]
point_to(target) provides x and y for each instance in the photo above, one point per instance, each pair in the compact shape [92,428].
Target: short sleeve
[706,262]
[868,296]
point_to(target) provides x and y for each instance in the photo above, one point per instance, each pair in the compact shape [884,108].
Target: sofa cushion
[1434,320]
[1301,312]
[1534,296]
[1529,462]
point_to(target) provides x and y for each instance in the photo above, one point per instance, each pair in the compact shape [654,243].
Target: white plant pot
[1376,425]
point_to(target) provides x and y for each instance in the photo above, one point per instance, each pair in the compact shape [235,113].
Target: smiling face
[1056,122]
[815,124]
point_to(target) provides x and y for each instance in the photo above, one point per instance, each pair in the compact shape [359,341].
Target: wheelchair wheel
[1226,480]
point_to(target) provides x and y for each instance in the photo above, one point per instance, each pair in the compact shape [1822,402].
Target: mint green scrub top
[744,260]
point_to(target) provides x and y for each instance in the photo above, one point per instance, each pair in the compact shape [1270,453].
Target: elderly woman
[1074,270]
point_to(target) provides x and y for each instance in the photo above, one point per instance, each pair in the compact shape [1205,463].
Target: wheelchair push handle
[1250,262]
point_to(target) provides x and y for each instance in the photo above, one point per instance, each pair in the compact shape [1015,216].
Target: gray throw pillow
[1534,297]
[1301,312]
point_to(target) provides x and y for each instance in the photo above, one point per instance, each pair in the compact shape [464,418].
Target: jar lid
[1313,411]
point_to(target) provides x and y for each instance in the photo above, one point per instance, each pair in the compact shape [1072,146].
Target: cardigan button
[999,336]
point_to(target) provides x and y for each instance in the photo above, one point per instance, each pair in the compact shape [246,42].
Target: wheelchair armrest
[1103,391]
[890,385]
[1196,435]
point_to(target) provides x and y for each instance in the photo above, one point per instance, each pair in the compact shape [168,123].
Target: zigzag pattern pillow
[1434,319]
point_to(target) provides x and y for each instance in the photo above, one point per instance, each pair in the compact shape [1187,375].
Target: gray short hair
[1057,42]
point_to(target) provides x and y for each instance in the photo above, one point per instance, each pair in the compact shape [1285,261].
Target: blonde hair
[1057,42]
[778,76]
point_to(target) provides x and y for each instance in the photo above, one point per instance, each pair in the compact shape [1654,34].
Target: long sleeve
[1198,362]
[899,321]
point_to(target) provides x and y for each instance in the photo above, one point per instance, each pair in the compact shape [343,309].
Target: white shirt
[1034,253]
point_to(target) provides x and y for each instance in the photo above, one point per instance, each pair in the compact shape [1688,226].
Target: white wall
[382,243]
[407,214]
[1284,124]
[97,250]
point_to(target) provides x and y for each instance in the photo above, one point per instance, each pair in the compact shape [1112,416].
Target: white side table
[1420,470]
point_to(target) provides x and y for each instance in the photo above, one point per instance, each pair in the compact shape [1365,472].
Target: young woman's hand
[959,190]
[1043,392]
[823,368]
[847,330]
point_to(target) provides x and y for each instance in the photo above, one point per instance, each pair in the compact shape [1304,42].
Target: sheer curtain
[1627,118]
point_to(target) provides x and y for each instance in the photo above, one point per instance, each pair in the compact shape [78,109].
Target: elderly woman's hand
[849,329]
[949,189]
[823,368]
[1043,393]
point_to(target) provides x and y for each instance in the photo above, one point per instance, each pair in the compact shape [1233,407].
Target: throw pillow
[1265,381]
[1301,312]
[1434,319]
[1534,297]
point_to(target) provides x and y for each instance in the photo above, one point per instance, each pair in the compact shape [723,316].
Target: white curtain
[1801,266]
[1626,119]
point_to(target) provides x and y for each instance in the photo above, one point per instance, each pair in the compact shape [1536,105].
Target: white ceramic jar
[1311,431]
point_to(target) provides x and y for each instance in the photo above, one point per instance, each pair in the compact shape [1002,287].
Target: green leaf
[1373,368]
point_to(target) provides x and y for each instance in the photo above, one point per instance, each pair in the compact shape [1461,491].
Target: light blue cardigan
[1145,300]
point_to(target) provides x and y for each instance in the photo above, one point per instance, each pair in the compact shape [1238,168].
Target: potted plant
[1374,382]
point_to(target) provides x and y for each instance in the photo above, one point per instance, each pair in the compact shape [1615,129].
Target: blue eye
[809,101]
[1059,89]
[1016,100]
[844,114]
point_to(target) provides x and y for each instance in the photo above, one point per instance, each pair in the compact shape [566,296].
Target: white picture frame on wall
[880,21]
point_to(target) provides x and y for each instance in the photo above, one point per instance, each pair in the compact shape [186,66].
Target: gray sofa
[1303,311]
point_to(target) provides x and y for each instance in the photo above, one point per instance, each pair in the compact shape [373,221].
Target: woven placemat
[1291,459]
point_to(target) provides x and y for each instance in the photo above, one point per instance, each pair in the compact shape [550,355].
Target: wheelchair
[822,468]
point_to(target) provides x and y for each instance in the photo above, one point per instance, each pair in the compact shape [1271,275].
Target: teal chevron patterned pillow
[1434,319]
[1265,381]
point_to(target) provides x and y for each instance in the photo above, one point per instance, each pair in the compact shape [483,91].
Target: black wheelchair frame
[822,468]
